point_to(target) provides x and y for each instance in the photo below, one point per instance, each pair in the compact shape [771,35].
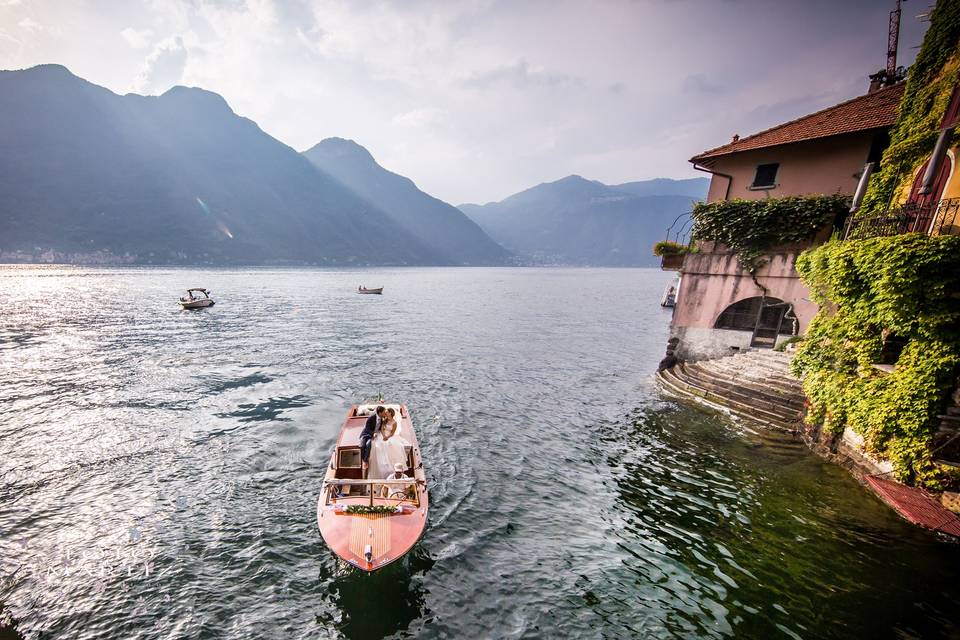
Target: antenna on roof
[891,74]
[893,40]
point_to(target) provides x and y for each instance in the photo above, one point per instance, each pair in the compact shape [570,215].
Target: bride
[387,449]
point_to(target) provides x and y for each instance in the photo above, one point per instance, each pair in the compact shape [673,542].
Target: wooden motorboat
[196,298]
[365,290]
[371,522]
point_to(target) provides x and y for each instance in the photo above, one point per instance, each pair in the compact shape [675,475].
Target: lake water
[160,468]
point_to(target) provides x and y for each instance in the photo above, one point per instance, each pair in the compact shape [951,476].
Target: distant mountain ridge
[575,221]
[91,176]
[442,227]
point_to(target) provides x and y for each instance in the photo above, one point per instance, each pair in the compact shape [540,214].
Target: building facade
[720,306]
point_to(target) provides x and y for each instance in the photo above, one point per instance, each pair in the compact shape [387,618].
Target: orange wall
[952,188]
[827,166]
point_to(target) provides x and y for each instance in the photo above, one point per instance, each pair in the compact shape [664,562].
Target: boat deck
[350,434]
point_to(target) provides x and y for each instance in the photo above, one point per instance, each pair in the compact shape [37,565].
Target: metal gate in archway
[766,318]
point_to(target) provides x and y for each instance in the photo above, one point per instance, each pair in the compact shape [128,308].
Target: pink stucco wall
[712,281]
[828,165]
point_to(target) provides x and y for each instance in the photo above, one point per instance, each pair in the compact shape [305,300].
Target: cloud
[420,118]
[163,67]
[137,39]
[476,99]
[33,27]
[30,26]
[698,85]
[519,75]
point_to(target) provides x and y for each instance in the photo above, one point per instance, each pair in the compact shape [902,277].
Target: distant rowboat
[365,290]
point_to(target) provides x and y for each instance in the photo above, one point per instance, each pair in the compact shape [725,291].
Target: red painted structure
[916,506]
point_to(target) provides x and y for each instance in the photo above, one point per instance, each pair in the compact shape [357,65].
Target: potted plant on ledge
[671,254]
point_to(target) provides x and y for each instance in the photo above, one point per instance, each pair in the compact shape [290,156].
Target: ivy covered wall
[903,285]
[750,228]
[930,82]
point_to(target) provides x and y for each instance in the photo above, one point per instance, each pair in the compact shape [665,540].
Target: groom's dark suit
[369,428]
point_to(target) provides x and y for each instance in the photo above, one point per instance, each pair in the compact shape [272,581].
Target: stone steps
[781,385]
[740,393]
[756,385]
[757,388]
[681,388]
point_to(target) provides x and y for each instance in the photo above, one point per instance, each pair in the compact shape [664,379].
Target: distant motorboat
[362,289]
[196,298]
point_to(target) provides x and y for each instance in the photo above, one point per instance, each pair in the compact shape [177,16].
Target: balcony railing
[942,218]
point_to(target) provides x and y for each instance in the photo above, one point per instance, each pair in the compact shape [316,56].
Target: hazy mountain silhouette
[690,187]
[442,227]
[177,178]
[585,222]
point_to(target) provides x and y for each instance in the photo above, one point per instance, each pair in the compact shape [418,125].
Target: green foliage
[930,83]
[904,284]
[792,340]
[668,248]
[750,227]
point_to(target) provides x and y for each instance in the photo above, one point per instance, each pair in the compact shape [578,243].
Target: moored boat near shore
[372,522]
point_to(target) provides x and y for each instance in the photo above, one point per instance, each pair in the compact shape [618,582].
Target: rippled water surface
[160,469]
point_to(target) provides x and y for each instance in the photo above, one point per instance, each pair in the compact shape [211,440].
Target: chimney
[878,80]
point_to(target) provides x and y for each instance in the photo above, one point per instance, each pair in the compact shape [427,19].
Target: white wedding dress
[384,453]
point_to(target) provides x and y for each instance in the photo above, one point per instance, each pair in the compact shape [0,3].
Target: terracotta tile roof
[870,111]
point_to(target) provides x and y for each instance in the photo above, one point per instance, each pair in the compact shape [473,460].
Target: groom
[370,428]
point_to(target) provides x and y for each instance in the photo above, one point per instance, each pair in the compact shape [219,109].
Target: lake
[160,468]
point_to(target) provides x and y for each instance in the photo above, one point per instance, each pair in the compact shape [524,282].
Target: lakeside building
[722,307]
[877,311]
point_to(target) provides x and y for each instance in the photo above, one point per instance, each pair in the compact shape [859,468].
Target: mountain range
[178,178]
[88,175]
[439,225]
[575,221]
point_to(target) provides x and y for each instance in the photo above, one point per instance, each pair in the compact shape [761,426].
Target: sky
[478,99]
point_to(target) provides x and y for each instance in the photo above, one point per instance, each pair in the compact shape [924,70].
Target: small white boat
[669,298]
[196,298]
[377,291]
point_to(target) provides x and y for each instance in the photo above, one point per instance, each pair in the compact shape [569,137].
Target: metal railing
[679,230]
[942,218]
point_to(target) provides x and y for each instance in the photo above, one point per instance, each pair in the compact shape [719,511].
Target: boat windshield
[385,492]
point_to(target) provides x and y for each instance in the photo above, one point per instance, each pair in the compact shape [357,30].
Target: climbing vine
[905,285]
[751,227]
[930,82]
